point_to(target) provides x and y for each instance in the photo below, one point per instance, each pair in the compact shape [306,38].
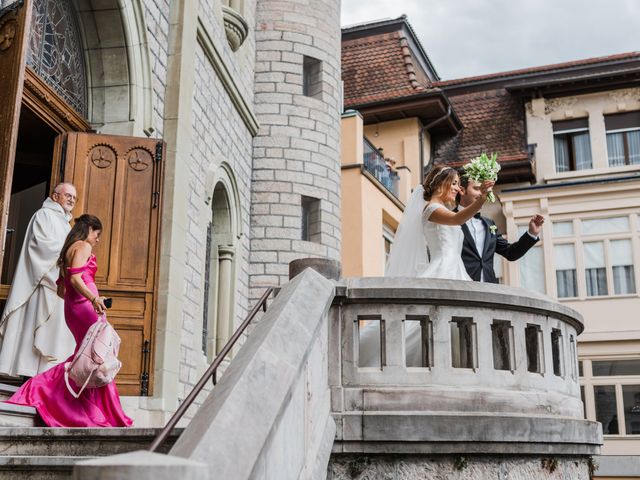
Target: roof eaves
[537,71]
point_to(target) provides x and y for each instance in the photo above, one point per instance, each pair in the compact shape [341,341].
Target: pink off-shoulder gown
[47,392]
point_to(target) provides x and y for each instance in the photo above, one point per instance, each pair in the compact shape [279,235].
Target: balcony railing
[375,164]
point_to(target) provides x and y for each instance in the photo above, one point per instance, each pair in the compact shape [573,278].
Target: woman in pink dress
[47,392]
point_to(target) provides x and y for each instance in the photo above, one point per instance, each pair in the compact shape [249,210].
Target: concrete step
[49,453]
[17,416]
[6,391]
[17,467]
[89,442]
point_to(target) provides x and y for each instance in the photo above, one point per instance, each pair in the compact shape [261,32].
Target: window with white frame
[572,145]
[566,278]
[387,241]
[615,384]
[595,269]
[623,138]
[532,266]
[601,251]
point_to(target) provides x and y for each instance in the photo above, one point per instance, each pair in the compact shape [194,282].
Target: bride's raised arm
[445,216]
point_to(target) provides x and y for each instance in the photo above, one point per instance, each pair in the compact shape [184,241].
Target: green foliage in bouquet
[483,168]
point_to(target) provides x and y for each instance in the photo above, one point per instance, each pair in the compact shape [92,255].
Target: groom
[482,241]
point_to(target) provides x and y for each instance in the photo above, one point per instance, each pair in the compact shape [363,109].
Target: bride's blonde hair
[438,180]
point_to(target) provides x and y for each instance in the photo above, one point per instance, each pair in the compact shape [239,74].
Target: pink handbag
[96,362]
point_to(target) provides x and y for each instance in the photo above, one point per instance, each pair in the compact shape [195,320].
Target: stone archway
[118,65]
[220,276]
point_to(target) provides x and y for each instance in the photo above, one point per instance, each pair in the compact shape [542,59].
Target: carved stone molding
[625,95]
[556,104]
[235,27]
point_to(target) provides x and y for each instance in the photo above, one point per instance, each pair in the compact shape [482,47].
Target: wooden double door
[43,141]
[119,180]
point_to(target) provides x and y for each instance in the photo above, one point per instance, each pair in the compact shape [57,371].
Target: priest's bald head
[65,195]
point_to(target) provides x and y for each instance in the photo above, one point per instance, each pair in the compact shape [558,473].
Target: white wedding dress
[444,243]
[408,258]
[417,235]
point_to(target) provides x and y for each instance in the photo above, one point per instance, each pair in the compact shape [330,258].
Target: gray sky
[472,37]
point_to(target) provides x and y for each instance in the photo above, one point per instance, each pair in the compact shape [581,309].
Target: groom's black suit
[474,262]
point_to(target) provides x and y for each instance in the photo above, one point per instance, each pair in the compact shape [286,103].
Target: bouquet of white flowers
[483,168]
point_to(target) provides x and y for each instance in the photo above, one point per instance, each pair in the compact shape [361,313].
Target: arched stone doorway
[75,67]
[69,79]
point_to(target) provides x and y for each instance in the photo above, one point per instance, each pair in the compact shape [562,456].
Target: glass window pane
[631,401]
[615,367]
[633,140]
[562,229]
[565,259]
[371,343]
[601,226]
[605,400]
[532,270]
[584,403]
[615,149]
[622,262]
[561,145]
[418,340]
[582,150]
[595,272]
[580,369]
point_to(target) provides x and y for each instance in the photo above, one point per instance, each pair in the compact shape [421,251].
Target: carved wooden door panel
[14,32]
[119,180]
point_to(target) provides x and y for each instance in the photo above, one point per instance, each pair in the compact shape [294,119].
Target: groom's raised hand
[535,225]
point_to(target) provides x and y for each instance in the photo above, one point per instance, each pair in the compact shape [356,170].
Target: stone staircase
[15,415]
[41,453]
[30,451]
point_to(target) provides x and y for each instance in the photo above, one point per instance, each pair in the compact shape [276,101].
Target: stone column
[296,154]
[225,280]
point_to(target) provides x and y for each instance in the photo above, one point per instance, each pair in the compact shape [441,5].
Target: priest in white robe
[33,332]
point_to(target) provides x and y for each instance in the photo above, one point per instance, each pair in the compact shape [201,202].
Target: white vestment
[33,331]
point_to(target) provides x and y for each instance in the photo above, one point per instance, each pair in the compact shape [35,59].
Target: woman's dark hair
[80,231]
[440,178]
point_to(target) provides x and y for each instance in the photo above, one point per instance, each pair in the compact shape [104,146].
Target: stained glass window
[55,51]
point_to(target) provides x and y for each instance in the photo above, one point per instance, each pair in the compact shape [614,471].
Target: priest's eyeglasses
[68,196]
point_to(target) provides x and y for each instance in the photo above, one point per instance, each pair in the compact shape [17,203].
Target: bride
[431,227]
[428,243]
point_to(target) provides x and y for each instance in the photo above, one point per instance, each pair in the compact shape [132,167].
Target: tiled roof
[380,67]
[540,69]
[494,121]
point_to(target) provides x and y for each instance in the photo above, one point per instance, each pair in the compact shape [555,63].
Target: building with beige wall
[392,111]
[577,128]
[568,138]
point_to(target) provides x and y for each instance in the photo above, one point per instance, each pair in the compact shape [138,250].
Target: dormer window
[572,145]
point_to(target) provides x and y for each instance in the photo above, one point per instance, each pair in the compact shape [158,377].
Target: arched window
[219,277]
[56,52]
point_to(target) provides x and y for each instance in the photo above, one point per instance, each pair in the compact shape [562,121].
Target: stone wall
[461,467]
[296,152]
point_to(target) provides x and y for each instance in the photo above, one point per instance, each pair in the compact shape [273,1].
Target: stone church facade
[235,107]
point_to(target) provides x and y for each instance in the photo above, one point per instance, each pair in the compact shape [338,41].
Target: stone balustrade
[416,360]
